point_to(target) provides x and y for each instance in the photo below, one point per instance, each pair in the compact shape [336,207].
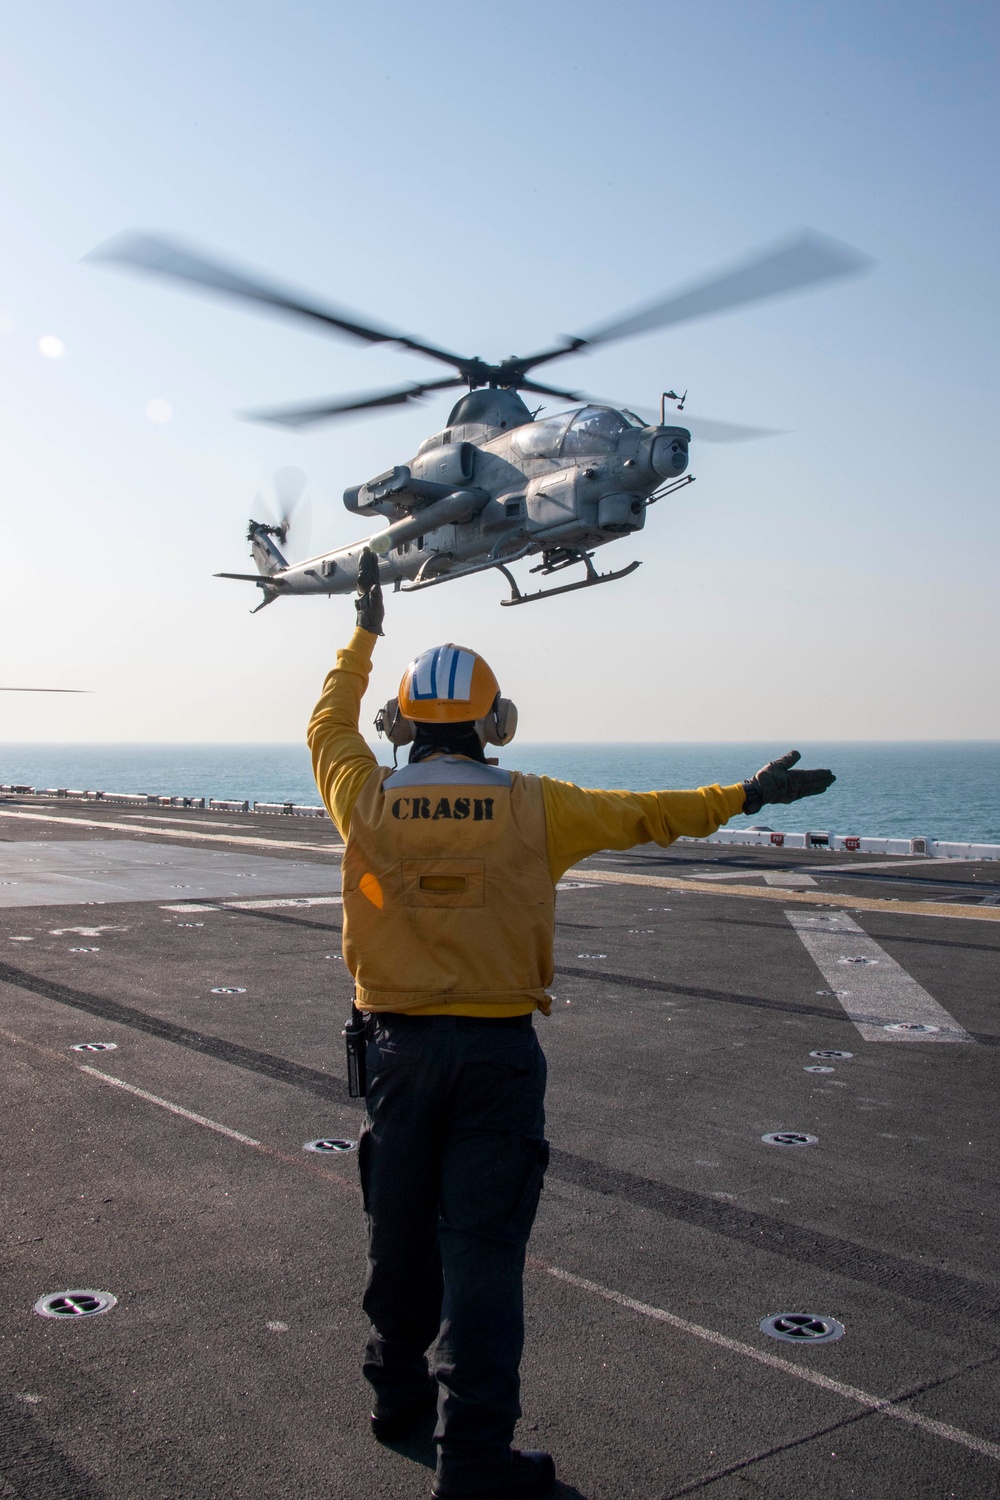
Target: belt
[393,1018]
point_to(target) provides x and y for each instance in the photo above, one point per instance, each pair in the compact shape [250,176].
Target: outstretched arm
[580,822]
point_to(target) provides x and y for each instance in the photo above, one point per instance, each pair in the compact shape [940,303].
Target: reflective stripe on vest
[452,769]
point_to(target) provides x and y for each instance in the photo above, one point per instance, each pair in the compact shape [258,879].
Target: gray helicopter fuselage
[484,492]
[495,485]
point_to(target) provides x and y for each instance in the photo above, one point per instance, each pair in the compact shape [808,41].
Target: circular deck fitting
[918,1026]
[591,955]
[830,1052]
[81,1303]
[190,924]
[789,1138]
[95,1047]
[330,1146]
[229,989]
[857,960]
[818,1068]
[85,950]
[802,1328]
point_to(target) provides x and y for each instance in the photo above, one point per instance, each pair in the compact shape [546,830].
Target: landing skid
[593,578]
[423,582]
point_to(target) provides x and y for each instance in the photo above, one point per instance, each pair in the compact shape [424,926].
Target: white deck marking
[769,877]
[899,862]
[194,822]
[887,1405]
[282,901]
[190,906]
[178,833]
[175,1109]
[874,990]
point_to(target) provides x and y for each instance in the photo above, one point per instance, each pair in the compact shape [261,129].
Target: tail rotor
[288,508]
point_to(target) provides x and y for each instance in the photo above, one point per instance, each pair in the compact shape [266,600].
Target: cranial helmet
[448,685]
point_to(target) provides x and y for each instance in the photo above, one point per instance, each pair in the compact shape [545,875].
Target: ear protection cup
[390,722]
[499,726]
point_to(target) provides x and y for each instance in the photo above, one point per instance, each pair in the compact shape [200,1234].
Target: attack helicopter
[498,483]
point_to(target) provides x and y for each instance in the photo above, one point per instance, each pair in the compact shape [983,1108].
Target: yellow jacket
[577,822]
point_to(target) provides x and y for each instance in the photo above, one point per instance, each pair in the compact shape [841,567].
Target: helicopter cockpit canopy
[584,433]
[594,430]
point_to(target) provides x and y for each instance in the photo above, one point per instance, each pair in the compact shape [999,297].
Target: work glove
[777,782]
[371,610]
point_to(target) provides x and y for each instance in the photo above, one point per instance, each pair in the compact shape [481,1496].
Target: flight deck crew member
[449,878]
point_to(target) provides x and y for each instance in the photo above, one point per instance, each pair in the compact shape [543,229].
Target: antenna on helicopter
[670,396]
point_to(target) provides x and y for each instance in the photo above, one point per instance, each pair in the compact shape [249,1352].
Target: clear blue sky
[488,177]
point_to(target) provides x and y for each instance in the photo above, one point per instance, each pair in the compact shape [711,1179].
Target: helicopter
[498,483]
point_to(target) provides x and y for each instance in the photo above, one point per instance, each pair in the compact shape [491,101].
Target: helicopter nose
[670,455]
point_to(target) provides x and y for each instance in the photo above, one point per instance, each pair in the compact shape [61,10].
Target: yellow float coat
[447,894]
[429,950]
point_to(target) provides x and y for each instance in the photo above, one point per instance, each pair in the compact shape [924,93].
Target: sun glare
[159,411]
[51,347]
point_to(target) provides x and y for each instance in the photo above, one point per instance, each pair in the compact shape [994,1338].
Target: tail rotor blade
[289,484]
[287,507]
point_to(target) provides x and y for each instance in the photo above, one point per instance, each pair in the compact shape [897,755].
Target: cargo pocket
[494,1194]
[444,882]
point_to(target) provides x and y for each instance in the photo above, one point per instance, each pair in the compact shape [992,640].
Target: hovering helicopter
[497,484]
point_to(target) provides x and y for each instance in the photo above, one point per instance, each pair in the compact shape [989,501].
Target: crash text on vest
[479,809]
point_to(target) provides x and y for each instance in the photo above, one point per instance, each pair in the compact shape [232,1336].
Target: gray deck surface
[682,1026]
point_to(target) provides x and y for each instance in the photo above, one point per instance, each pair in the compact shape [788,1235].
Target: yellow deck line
[178,833]
[800,898]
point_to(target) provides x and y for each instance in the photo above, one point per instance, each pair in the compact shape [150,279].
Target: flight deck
[772,1096]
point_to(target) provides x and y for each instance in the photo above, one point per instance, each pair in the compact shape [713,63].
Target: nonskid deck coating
[98,871]
[682,1025]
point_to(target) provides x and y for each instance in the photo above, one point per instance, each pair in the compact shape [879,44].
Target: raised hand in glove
[371,610]
[777,782]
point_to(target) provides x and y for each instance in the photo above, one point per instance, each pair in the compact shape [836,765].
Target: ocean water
[946,790]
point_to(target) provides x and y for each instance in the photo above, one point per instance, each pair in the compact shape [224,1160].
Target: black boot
[532,1476]
[392,1424]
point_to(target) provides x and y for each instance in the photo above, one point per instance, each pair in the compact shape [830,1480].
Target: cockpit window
[541,439]
[595,429]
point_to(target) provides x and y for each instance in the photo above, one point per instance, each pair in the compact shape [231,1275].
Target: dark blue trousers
[452,1157]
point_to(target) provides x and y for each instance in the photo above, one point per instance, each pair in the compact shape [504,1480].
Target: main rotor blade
[708,430]
[702,429]
[158,256]
[806,259]
[303,416]
[43,690]
[551,390]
